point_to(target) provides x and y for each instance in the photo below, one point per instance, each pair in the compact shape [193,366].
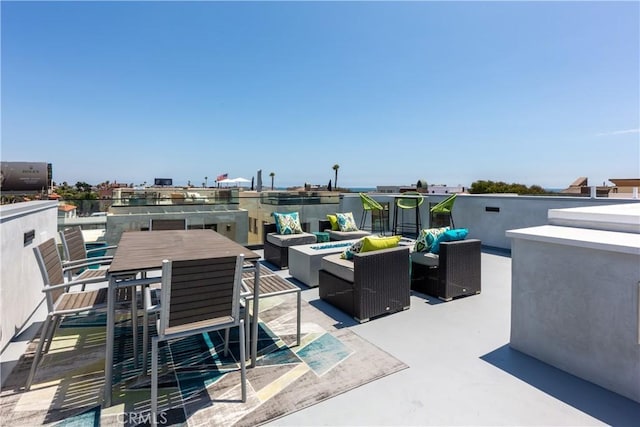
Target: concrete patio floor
[462,370]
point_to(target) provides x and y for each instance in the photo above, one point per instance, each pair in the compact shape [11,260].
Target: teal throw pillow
[346,222]
[427,238]
[288,223]
[449,236]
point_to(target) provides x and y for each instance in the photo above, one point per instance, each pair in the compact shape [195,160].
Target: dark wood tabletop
[145,250]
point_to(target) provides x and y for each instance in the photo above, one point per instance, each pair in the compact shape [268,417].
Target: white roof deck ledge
[613,241]
[620,217]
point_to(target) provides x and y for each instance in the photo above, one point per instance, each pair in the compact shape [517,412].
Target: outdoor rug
[198,384]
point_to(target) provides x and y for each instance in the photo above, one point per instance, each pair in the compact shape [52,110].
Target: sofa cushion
[425,258]
[347,235]
[346,222]
[286,240]
[449,236]
[337,266]
[288,223]
[375,243]
[426,238]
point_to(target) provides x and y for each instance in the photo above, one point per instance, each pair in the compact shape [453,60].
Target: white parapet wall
[22,227]
[575,300]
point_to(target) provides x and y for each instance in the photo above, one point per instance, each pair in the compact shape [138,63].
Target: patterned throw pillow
[427,238]
[346,222]
[353,249]
[287,223]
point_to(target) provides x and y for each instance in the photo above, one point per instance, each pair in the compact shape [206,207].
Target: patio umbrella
[241,180]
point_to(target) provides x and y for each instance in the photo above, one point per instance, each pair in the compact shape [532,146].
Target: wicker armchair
[378,283]
[277,251]
[455,272]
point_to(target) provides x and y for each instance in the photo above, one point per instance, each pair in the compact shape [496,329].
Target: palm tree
[335,181]
[272,174]
[205,181]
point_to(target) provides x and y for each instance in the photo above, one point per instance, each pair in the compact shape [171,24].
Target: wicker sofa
[453,273]
[276,246]
[336,235]
[374,283]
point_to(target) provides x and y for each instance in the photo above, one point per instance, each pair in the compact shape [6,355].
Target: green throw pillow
[334,222]
[427,238]
[373,243]
[346,222]
[287,223]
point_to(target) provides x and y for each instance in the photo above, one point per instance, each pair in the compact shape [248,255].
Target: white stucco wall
[20,278]
[575,302]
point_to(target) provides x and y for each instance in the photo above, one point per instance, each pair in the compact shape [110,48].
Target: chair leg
[299,297]
[52,330]
[134,325]
[379,217]
[154,381]
[36,357]
[362,219]
[226,342]
[145,340]
[247,325]
[243,362]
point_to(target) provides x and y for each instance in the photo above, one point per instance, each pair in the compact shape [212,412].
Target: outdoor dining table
[144,251]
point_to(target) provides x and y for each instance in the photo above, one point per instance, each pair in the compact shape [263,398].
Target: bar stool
[443,211]
[370,205]
[408,200]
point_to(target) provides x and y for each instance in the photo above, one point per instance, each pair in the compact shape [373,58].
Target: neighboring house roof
[580,182]
[626,182]
[581,186]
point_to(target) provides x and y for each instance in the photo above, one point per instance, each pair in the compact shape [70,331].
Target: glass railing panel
[239,215]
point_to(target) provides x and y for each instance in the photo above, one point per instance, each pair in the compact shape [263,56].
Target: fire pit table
[304,260]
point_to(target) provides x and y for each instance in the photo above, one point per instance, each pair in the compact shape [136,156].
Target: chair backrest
[368,203]
[167,224]
[200,290]
[414,200]
[48,259]
[445,206]
[73,244]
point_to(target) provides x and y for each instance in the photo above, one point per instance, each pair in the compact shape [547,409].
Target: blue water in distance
[362,189]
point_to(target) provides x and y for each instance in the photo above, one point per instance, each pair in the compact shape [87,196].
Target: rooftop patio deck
[461,369]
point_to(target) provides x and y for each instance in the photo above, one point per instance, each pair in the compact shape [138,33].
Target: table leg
[254,324]
[134,324]
[108,360]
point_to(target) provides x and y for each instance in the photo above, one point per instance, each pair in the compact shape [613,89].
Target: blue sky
[451,92]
